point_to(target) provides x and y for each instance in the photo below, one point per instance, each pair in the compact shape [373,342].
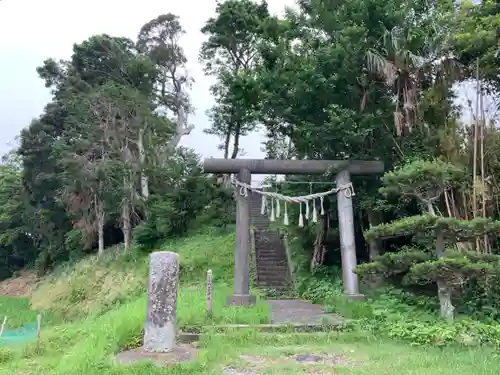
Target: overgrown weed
[98,330]
[95,285]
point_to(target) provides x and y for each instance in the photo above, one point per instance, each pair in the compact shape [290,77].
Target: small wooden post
[3,326]
[209,293]
[38,329]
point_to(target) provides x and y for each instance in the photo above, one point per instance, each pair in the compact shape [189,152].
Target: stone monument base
[241,300]
[355,297]
[179,354]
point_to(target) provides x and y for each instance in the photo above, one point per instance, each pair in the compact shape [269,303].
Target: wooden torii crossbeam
[246,167]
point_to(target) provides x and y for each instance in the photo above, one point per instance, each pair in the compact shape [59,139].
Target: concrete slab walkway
[293,311]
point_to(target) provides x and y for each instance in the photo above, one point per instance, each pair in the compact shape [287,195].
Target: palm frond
[378,64]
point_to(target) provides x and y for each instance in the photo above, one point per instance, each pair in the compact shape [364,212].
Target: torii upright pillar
[246,167]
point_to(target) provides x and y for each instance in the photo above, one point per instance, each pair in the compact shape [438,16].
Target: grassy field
[88,346]
[95,308]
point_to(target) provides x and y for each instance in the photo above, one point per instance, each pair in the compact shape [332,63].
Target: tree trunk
[236,145]
[226,144]
[430,209]
[374,218]
[444,295]
[142,155]
[126,224]
[100,216]
[182,128]
[444,292]
[100,231]
[126,227]
[318,258]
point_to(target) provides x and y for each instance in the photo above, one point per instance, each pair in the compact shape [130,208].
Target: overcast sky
[48,28]
[32,31]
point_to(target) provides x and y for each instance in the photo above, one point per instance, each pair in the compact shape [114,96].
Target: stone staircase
[271,265]
[259,222]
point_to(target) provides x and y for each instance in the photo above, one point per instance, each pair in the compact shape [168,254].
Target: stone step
[277,247]
[268,240]
[283,290]
[270,253]
[280,287]
[280,267]
[273,255]
[270,250]
[268,246]
[266,262]
[271,262]
[268,281]
[260,221]
[269,243]
[272,270]
[267,234]
[260,225]
[280,270]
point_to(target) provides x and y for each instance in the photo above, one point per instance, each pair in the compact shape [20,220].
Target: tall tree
[50,142]
[120,111]
[159,39]
[315,88]
[476,28]
[230,54]
[41,180]
[17,249]
[414,55]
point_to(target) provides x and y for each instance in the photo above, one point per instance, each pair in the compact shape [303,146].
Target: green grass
[95,308]
[88,347]
[94,286]
[17,311]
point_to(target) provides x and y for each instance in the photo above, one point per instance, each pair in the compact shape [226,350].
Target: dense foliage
[363,79]
[103,160]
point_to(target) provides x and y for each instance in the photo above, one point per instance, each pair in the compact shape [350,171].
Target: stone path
[300,362]
[294,311]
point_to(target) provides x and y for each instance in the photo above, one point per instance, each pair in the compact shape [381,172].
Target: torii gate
[245,167]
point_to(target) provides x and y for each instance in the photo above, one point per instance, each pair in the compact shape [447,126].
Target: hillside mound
[20,286]
[96,285]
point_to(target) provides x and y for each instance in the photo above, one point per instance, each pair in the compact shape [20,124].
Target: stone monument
[159,329]
[160,344]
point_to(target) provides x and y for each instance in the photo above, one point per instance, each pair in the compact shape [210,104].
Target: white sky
[48,28]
